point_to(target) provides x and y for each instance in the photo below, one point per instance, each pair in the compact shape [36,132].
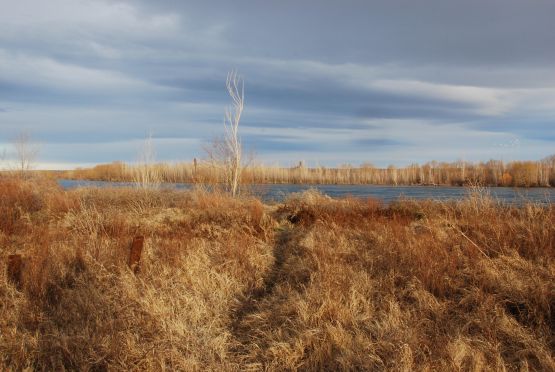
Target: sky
[326,82]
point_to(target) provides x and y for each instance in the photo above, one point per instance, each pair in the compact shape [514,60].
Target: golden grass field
[310,284]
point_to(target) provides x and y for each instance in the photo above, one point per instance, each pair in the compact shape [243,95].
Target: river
[277,193]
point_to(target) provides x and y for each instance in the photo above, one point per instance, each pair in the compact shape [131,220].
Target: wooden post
[135,253]
[15,270]
[194,177]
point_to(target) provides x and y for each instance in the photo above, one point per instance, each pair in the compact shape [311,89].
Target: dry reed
[310,284]
[491,173]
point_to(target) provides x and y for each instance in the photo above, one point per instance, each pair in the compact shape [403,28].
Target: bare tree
[26,152]
[235,88]
[145,173]
[226,153]
[2,159]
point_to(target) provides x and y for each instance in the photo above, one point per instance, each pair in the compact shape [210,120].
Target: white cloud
[46,72]
[104,29]
[380,79]
[82,16]
[487,101]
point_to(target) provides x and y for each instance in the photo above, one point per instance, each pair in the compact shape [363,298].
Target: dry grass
[310,284]
[492,173]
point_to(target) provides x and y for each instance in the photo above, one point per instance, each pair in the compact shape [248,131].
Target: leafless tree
[145,173]
[226,153]
[235,88]
[2,159]
[26,152]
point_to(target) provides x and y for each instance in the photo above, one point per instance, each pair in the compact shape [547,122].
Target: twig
[467,238]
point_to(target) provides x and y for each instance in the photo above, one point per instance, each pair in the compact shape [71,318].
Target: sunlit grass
[311,284]
[491,173]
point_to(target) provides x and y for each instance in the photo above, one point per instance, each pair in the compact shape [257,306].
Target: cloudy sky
[327,82]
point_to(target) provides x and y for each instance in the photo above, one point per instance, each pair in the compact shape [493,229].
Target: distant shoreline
[320,184]
[516,174]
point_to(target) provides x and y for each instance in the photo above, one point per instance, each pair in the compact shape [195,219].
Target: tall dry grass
[491,173]
[310,284]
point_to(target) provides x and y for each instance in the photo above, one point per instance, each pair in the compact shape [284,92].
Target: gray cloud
[378,142]
[362,79]
[475,31]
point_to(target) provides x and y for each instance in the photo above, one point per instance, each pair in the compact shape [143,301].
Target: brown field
[311,284]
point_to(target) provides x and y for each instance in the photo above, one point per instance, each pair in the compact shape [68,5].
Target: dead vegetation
[311,284]
[216,171]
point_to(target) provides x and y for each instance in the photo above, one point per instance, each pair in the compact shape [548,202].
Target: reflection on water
[269,193]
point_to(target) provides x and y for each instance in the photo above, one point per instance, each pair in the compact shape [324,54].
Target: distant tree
[26,152]
[506,179]
[3,156]
[392,170]
[367,165]
[146,175]
[549,176]
[524,173]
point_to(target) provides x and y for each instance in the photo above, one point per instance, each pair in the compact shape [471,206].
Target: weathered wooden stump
[135,253]
[15,270]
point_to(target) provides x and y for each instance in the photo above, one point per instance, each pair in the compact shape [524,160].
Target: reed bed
[492,173]
[309,284]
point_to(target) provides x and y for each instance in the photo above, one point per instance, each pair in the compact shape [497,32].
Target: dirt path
[251,301]
[262,311]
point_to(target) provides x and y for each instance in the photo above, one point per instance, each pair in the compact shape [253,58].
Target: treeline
[491,173]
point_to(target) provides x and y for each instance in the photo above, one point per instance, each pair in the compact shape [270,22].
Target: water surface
[277,193]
